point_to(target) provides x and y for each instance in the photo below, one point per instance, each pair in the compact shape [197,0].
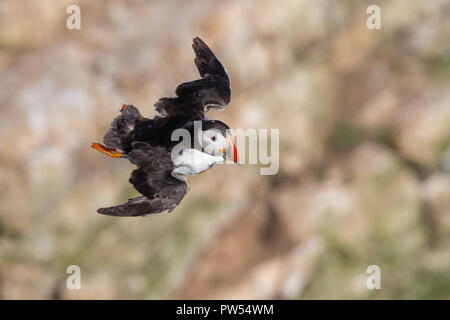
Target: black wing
[196,97]
[154,180]
[120,133]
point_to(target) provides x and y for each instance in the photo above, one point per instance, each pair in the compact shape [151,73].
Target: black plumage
[194,98]
[147,142]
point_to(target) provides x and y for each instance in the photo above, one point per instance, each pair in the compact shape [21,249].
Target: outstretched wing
[154,180]
[196,97]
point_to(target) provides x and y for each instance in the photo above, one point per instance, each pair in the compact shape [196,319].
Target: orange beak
[231,152]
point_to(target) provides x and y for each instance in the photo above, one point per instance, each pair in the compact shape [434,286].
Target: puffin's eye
[213,138]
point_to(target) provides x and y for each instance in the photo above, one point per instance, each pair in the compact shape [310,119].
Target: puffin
[180,141]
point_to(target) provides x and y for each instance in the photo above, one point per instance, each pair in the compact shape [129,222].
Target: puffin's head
[217,140]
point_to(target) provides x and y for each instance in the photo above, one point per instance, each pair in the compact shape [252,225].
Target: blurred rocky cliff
[364,179]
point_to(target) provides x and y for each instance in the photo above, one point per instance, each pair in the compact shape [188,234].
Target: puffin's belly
[192,161]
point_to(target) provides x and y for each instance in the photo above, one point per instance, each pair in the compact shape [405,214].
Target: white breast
[192,161]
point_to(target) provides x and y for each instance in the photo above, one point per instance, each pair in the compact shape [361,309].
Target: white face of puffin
[213,142]
[215,149]
[192,161]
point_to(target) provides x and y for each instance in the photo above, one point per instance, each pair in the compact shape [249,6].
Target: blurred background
[364,179]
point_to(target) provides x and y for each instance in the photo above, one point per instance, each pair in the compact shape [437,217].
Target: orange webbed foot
[110,152]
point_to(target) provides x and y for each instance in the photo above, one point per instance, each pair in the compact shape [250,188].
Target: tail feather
[119,135]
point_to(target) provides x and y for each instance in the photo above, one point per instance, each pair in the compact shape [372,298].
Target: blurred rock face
[364,177]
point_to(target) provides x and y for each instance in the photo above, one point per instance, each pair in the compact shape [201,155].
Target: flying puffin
[163,164]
